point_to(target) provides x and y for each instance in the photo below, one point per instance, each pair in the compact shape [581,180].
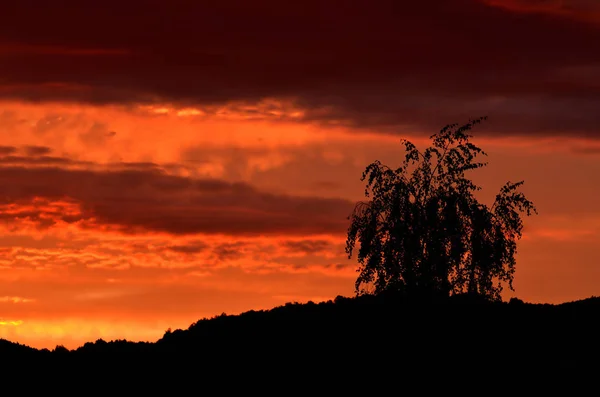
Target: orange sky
[137,193]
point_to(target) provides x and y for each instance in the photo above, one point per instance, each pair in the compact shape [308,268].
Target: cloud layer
[379,63]
[141,197]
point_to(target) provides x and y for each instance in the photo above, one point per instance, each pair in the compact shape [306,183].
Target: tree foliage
[424,231]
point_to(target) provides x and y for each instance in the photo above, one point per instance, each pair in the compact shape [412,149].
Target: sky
[165,161]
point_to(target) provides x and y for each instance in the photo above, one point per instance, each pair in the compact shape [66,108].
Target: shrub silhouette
[424,232]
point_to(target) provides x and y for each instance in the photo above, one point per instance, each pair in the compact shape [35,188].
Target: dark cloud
[229,251]
[37,150]
[148,199]
[34,160]
[379,63]
[191,248]
[307,246]
[7,150]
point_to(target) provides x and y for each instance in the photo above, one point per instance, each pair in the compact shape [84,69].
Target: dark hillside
[517,334]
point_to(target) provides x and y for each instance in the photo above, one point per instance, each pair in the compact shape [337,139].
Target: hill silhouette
[465,331]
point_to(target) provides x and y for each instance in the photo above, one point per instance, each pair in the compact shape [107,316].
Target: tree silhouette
[424,232]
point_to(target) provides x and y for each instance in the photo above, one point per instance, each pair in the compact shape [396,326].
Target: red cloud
[141,197]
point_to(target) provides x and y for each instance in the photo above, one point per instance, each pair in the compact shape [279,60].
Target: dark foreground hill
[351,337]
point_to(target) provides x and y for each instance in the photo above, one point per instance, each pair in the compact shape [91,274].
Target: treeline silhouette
[462,328]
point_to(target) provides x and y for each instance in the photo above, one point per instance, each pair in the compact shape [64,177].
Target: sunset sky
[164,161]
